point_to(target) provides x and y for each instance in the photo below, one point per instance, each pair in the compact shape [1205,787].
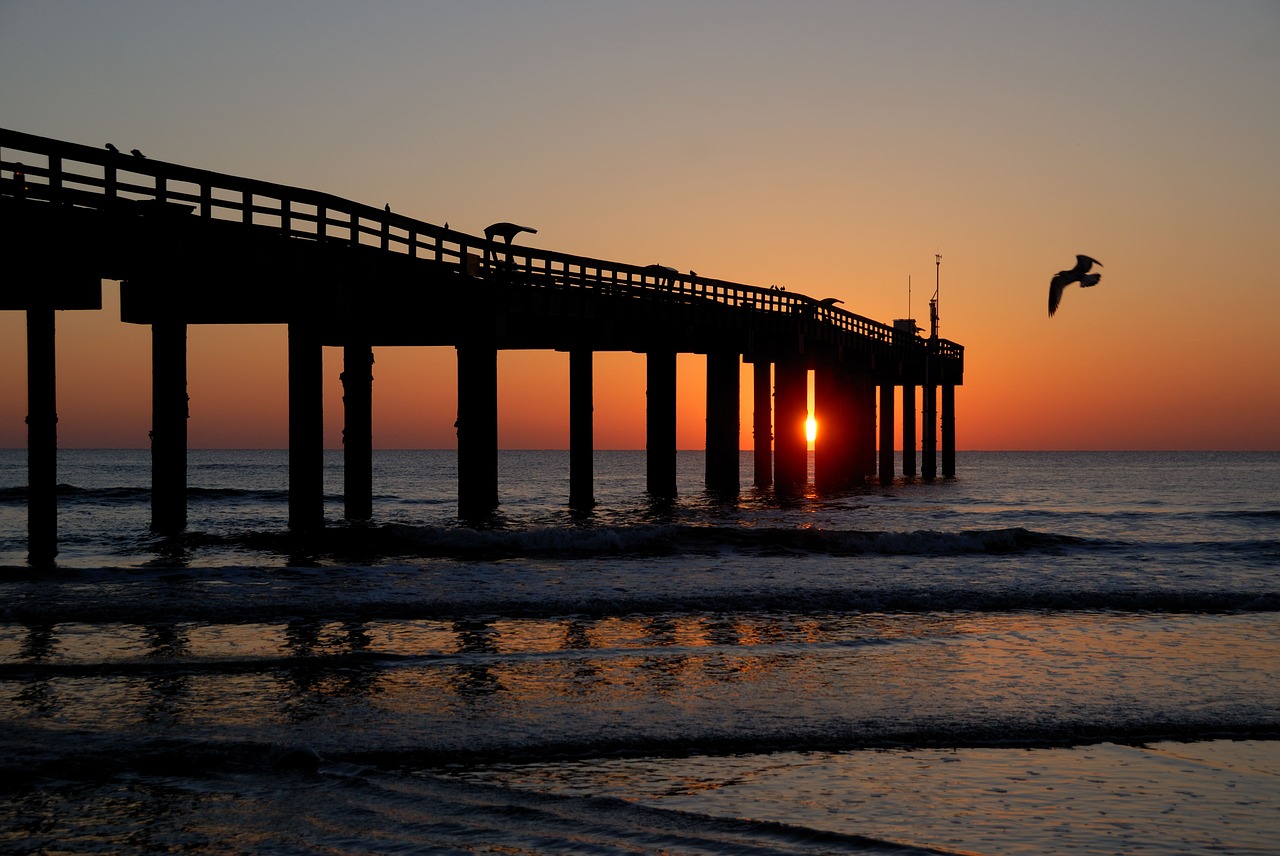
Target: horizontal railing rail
[84,176]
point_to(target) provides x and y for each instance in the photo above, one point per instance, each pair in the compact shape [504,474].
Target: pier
[191,246]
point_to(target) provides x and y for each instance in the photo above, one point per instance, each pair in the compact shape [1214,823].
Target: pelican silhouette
[1063,278]
[830,301]
[506,231]
[111,148]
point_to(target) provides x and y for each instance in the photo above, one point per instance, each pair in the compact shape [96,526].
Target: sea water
[1067,653]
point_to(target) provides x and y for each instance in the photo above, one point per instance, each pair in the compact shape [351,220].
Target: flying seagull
[1063,278]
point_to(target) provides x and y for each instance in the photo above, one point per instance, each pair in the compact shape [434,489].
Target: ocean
[1072,653]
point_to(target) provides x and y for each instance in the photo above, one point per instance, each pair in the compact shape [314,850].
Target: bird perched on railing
[506,231]
[1063,278]
[136,153]
[830,301]
[112,149]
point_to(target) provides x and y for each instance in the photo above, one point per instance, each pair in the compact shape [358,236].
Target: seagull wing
[1056,287]
[1083,263]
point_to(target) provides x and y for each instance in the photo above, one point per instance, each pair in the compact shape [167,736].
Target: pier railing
[51,170]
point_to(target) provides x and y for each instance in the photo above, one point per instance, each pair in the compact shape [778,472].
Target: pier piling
[477,429]
[908,429]
[42,438]
[306,428]
[791,401]
[357,431]
[762,422]
[723,404]
[581,428]
[169,412]
[660,420]
[886,433]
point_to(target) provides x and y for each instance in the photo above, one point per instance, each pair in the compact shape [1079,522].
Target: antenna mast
[937,291]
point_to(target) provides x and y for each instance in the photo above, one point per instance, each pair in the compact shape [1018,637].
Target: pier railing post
[581,429]
[169,412]
[660,423]
[42,438]
[723,430]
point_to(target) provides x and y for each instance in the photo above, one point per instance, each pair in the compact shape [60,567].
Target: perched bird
[112,149]
[1063,278]
[506,231]
[662,274]
[830,301]
[136,153]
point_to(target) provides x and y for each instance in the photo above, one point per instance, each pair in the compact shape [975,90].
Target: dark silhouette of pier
[191,246]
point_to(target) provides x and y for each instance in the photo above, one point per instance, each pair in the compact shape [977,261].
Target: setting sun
[811,429]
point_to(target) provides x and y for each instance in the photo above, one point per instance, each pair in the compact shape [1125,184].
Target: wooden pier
[192,246]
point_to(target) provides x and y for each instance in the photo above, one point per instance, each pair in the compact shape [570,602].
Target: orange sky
[829,148]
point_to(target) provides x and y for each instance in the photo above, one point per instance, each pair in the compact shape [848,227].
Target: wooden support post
[834,409]
[762,422]
[948,431]
[660,420]
[723,405]
[886,433]
[791,454]
[929,441]
[908,429]
[867,457]
[581,429]
[357,431]
[42,438]
[862,432]
[477,429]
[168,427]
[306,428]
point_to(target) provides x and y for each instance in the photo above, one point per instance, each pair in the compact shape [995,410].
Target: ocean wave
[399,539]
[39,754]
[125,494]
[175,596]
[192,791]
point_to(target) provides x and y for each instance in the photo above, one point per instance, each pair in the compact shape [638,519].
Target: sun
[811,429]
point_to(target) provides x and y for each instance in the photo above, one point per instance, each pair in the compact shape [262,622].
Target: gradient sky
[829,147]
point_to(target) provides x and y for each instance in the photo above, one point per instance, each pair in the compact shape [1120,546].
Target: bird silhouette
[830,301]
[1063,278]
[506,231]
[111,148]
[136,153]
